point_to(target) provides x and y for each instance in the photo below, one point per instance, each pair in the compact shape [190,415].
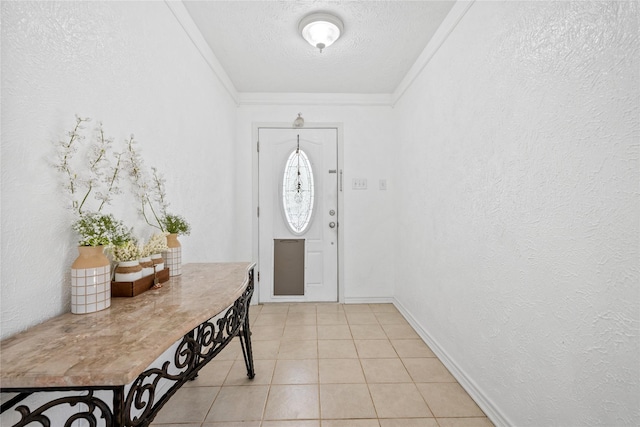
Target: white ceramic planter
[90,281]
[147,266]
[173,256]
[158,262]
[128,271]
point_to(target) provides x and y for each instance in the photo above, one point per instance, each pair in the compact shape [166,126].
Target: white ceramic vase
[90,280]
[173,256]
[158,262]
[128,271]
[147,266]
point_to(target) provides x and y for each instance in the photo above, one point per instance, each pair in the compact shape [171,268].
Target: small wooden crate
[131,289]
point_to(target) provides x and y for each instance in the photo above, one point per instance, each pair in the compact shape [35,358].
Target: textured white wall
[130,65]
[367,214]
[517,248]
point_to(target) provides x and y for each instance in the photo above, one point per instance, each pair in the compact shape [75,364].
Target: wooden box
[131,289]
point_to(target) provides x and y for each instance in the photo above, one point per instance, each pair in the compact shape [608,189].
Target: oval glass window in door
[298,192]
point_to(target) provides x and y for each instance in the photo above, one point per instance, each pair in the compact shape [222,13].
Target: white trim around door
[255,195]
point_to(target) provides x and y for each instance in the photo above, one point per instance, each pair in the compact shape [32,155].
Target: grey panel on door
[288,270]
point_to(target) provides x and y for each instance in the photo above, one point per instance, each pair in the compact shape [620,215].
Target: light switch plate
[359,184]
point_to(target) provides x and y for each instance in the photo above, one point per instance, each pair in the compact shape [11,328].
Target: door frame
[256,126]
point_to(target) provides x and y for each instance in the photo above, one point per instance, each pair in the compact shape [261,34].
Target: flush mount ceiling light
[320,29]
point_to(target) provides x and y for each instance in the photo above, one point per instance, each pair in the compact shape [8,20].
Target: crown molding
[454,16]
[337,99]
[452,19]
[194,34]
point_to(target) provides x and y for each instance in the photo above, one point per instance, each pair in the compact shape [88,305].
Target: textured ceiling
[258,44]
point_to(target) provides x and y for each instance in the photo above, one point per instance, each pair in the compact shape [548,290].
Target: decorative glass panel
[298,192]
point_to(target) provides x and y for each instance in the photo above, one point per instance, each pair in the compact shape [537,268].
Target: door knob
[332,224]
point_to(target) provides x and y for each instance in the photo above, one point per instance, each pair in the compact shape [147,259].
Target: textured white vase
[90,281]
[128,271]
[158,262]
[147,266]
[173,256]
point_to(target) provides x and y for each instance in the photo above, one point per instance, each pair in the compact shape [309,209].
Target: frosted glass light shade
[321,29]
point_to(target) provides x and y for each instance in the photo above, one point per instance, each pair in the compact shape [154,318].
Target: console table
[108,368]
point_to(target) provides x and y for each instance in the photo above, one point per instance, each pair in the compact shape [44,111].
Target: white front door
[284,216]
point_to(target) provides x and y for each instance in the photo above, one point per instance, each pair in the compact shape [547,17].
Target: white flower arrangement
[96,229]
[149,191]
[128,251]
[99,176]
[156,244]
[91,179]
[91,170]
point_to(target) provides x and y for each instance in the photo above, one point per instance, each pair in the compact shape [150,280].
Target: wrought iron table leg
[247,352]
[118,407]
[193,353]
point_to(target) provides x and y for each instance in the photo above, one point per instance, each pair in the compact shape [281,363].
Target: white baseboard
[489,408]
[369,300]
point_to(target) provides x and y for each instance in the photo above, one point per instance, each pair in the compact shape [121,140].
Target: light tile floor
[325,365]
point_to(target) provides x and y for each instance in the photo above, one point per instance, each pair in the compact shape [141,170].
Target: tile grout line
[317,358]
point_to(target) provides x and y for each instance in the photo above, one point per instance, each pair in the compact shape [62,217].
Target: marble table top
[113,346]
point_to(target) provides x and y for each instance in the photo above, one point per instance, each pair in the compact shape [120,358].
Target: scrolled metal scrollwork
[92,402]
[186,356]
[212,337]
[195,350]
[142,394]
[138,404]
